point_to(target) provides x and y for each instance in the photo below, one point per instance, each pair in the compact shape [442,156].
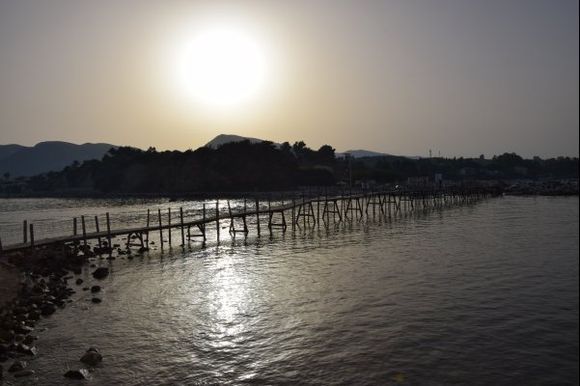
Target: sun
[225,66]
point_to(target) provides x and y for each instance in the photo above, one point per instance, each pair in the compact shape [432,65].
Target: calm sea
[475,295]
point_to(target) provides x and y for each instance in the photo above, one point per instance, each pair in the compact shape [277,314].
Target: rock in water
[96,300]
[92,357]
[17,366]
[77,374]
[95,288]
[28,350]
[23,373]
[101,273]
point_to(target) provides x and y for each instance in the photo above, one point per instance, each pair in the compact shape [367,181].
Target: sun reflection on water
[228,301]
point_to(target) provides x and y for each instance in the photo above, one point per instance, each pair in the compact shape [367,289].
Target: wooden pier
[319,210]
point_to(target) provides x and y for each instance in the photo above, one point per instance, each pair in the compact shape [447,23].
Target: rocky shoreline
[543,188]
[43,280]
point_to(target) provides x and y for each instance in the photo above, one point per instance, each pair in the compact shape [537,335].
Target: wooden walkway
[302,212]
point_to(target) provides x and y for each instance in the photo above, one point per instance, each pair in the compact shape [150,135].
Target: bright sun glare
[224,67]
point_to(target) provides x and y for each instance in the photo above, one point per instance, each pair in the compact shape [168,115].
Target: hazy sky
[402,76]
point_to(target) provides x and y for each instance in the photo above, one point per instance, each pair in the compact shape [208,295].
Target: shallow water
[53,217]
[479,295]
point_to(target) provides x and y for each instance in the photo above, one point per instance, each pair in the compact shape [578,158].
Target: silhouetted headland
[248,166]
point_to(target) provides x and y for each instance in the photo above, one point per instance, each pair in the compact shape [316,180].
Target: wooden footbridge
[297,213]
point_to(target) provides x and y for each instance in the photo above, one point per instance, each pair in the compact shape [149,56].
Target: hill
[222,139]
[47,156]
[7,150]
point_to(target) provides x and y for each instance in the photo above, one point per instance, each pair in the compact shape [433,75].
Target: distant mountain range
[47,156]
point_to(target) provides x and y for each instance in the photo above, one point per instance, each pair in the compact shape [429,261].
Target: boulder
[79,281]
[101,273]
[92,357]
[17,366]
[95,289]
[77,374]
[47,308]
[29,339]
[28,350]
[96,300]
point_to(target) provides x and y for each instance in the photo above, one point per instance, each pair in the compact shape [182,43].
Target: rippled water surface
[475,295]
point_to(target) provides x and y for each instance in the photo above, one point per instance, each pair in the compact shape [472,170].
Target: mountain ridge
[222,139]
[46,156]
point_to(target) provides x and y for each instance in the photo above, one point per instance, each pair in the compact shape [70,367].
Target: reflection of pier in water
[301,213]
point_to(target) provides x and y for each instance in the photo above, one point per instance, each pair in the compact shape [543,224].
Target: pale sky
[460,77]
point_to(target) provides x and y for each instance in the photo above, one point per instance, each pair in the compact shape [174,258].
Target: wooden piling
[169,223]
[32,234]
[75,232]
[25,231]
[84,229]
[147,227]
[270,215]
[98,230]
[293,219]
[109,231]
[203,217]
[318,211]
[258,215]
[217,220]
[160,227]
[181,225]
[303,214]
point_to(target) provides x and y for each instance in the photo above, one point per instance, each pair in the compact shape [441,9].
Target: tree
[326,155]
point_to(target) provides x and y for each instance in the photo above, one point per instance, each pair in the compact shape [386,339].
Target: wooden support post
[203,216]
[303,212]
[293,219]
[98,230]
[160,227]
[232,225]
[75,232]
[84,229]
[217,219]
[25,232]
[31,235]
[318,211]
[270,215]
[169,224]
[181,223]
[147,226]
[109,232]
[244,218]
[258,215]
